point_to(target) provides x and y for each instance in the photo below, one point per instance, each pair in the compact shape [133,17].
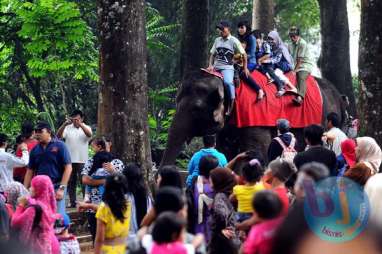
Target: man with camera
[77,136]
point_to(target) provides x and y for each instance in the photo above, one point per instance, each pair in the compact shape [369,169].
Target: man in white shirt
[335,136]
[77,136]
[9,161]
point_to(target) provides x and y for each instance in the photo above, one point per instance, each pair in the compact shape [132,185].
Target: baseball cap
[283,125]
[62,223]
[294,31]
[348,151]
[42,125]
[222,24]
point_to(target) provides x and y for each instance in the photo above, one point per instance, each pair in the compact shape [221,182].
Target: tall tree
[335,54]
[370,68]
[124,74]
[263,15]
[195,35]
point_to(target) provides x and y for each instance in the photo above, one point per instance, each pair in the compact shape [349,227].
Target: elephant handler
[221,59]
[303,63]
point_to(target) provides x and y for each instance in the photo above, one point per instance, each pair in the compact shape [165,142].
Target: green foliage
[12,116]
[57,39]
[160,118]
[157,32]
[302,13]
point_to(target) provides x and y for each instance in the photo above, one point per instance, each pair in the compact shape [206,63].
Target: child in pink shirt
[267,208]
[168,235]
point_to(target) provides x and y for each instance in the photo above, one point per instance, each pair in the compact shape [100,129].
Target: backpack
[288,152]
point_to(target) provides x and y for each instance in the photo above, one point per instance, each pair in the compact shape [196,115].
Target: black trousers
[249,81]
[267,68]
[72,185]
[92,224]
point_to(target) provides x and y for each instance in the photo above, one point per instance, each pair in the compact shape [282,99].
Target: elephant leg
[257,139]
[228,141]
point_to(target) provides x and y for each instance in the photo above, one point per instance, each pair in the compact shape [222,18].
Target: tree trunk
[124,74]
[335,53]
[263,15]
[105,102]
[370,69]
[194,50]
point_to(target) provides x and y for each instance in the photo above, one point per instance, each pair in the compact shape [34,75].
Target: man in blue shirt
[209,149]
[50,157]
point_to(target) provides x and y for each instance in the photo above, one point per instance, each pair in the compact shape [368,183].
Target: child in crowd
[267,208]
[243,194]
[224,237]
[13,191]
[35,216]
[113,217]
[68,242]
[239,74]
[265,66]
[203,195]
[98,172]
[169,234]
[277,174]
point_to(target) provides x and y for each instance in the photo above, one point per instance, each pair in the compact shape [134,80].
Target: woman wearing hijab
[369,152]
[347,158]
[12,192]
[281,58]
[34,217]
[224,238]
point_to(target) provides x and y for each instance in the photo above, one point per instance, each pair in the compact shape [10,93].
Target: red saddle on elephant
[248,112]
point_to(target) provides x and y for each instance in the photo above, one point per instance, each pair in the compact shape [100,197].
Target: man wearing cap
[221,59]
[284,136]
[303,63]
[50,157]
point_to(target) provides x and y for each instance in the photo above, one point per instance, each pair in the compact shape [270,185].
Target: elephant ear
[216,100]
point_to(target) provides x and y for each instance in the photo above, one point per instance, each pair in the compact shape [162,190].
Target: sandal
[297,101]
[280,93]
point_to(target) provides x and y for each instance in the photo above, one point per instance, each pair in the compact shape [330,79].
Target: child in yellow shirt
[113,217]
[243,194]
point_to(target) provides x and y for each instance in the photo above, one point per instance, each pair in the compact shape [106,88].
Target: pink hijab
[44,192]
[369,152]
[42,239]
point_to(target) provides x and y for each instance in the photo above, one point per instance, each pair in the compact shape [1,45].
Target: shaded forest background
[49,55]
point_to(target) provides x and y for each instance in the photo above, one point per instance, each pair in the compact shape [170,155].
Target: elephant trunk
[178,134]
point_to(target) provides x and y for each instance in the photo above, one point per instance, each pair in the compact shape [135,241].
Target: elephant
[201,103]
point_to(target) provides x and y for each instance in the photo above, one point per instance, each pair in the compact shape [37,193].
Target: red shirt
[19,173]
[282,192]
[260,238]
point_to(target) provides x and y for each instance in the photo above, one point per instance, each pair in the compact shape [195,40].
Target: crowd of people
[246,205]
[253,50]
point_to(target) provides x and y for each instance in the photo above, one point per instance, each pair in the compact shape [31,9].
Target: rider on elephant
[221,58]
[303,63]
